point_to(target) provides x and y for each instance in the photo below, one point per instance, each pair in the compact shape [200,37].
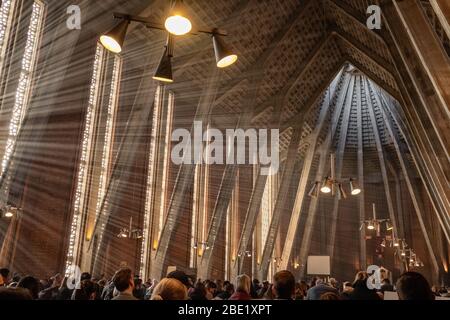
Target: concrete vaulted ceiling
[290,52]
[309,67]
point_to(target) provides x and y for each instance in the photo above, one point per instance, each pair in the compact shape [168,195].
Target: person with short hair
[226,293]
[88,291]
[169,289]
[283,285]
[211,288]
[30,283]
[320,288]
[198,292]
[242,292]
[124,284]
[413,286]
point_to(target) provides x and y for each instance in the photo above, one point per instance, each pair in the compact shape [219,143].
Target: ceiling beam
[304,65]
[312,101]
[382,161]
[412,188]
[269,51]
[360,160]
[339,164]
[351,41]
[356,16]
[280,202]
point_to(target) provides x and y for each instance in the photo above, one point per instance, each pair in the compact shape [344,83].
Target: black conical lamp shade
[164,71]
[224,56]
[113,40]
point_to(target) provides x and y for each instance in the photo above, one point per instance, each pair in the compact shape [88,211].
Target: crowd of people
[179,286]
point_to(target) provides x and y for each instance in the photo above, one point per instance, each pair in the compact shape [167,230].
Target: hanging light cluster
[375,224]
[247,254]
[405,253]
[402,250]
[129,232]
[331,185]
[176,24]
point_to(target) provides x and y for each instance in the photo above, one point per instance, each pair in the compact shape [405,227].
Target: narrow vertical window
[24,88]
[5,27]
[94,167]
[157,175]
[75,229]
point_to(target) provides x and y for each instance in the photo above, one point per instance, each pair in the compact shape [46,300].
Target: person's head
[123,280]
[265,284]
[219,285]
[4,273]
[329,296]
[386,282]
[211,287]
[30,283]
[169,289]
[199,290]
[283,285]
[180,276]
[229,288]
[88,290]
[243,283]
[413,286]
[14,294]
[319,281]
[85,276]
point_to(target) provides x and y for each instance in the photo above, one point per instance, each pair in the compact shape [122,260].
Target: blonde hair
[169,289]
[243,283]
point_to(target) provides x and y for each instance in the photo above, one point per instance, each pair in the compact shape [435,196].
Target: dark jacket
[362,292]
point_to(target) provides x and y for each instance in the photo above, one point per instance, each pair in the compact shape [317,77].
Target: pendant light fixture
[327,185]
[177,24]
[331,184]
[224,56]
[113,40]
[164,71]
[389,226]
[354,188]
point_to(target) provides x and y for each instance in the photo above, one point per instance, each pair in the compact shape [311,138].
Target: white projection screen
[318,265]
